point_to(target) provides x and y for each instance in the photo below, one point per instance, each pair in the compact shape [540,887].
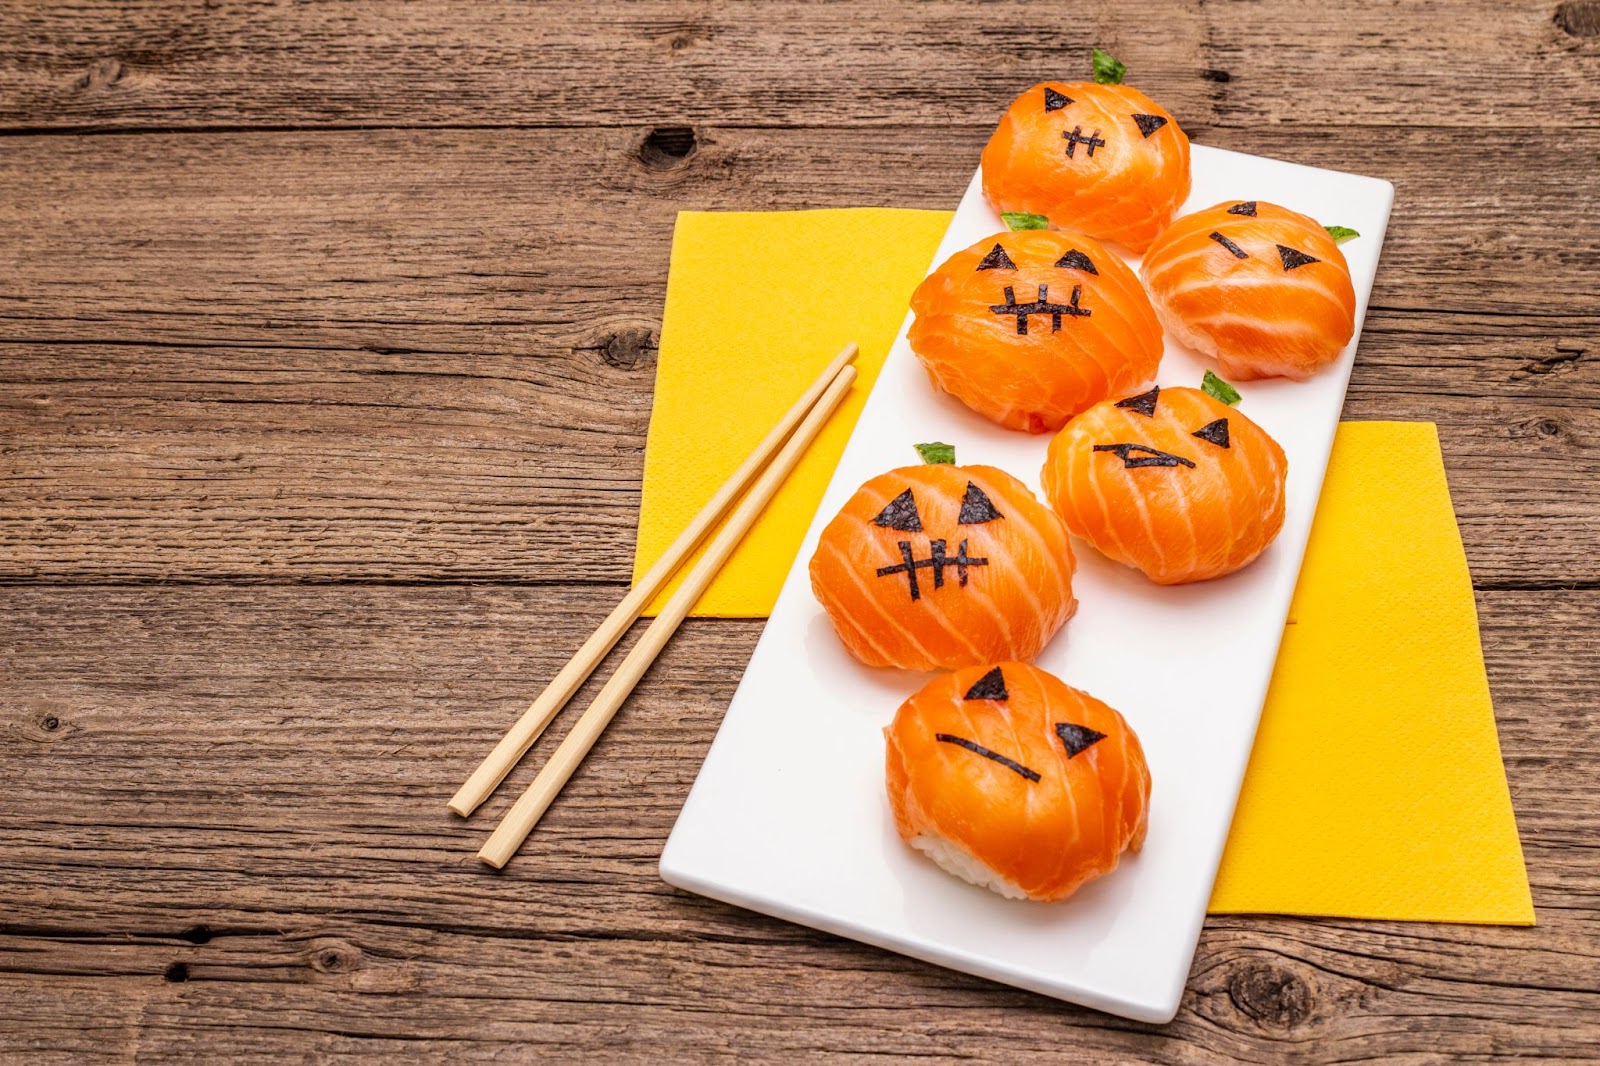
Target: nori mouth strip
[1076,260]
[1077,738]
[1246,208]
[1214,433]
[1294,258]
[1041,306]
[937,560]
[900,513]
[991,686]
[977,508]
[979,749]
[1144,403]
[997,259]
[1238,253]
[1151,456]
[1148,124]
[1076,138]
[1054,101]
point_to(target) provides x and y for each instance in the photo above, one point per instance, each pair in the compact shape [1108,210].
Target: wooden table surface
[327,338]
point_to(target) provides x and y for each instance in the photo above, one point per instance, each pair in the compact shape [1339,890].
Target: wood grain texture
[327,340]
[898,63]
[226,829]
[298,356]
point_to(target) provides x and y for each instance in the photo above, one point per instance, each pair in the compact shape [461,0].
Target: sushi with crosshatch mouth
[939,566]
[1009,778]
[1031,327]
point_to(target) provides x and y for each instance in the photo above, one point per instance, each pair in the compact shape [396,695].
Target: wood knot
[101,73]
[176,973]
[666,147]
[629,349]
[196,934]
[1216,75]
[1579,18]
[1273,996]
[50,723]
[335,957]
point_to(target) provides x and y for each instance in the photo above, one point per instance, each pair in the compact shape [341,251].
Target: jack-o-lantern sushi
[1031,327]
[1170,482]
[1261,289]
[1097,156]
[939,566]
[1009,778]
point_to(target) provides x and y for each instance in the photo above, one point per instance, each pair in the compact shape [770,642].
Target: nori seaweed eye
[1077,738]
[991,686]
[1214,433]
[977,508]
[1293,257]
[900,513]
[1148,124]
[997,259]
[1054,101]
[1144,403]
[1076,260]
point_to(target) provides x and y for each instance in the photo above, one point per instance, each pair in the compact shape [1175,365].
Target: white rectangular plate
[789,816]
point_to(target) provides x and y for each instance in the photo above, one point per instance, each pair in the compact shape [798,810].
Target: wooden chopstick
[531,805]
[487,777]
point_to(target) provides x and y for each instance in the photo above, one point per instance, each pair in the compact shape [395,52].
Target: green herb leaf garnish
[1340,234]
[1022,220]
[1218,389]
[1107,71]
[937,453]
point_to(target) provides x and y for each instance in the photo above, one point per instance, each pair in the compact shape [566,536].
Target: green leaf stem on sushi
[1016,220]
[1218,389]
[1340,234]
[935,453]
[1107,71]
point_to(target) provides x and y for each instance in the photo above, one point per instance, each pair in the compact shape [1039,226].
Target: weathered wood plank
[322,368]
[226,836]
[463,240]
[1467,64]
[138,463]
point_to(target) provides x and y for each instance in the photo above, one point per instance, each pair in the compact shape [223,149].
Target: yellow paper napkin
[1375,788]
[757,304]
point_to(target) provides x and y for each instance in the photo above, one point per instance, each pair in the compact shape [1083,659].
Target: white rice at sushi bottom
[957,860]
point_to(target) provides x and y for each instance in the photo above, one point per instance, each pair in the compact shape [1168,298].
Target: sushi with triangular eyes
[940,566]
[1169,481]
[1029,328]
[1007,777]
[1096,156]
[1263,290]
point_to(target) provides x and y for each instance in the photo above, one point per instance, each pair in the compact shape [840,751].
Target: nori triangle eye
[997,259]
[1214,433]
[901,513]
[1054,101]
[1077,738]
[1144,403]
[1076,260]
[1148,124]
[977,508]
[1293,257]
[991,686]
[1246,208]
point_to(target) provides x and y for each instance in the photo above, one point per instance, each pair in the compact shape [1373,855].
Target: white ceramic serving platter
[789,816]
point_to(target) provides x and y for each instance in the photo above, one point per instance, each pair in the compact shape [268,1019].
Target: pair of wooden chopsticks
[789,439]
